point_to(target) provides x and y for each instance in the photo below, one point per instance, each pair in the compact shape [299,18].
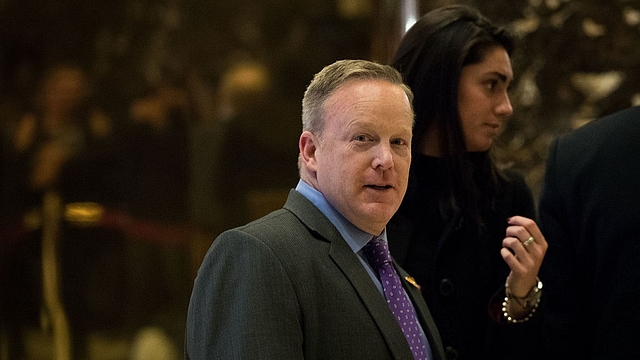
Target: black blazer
[288,286]
[590,214]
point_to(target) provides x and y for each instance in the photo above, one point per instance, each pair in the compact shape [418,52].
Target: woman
[464,229]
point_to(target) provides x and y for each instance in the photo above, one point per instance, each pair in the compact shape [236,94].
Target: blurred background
[134,131]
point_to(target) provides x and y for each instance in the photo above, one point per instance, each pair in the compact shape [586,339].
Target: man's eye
[360,138]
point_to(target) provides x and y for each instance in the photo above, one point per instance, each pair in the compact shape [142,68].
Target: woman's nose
[504,108]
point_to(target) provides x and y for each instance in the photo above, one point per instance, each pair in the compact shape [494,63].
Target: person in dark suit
[297,284]
[590,212]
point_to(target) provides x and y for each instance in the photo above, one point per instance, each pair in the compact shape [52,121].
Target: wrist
[530,299]
[527,304]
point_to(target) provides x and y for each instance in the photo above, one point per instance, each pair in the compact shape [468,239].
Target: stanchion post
[52,212]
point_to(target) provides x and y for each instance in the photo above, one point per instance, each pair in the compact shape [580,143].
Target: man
[296,283]
[590,215]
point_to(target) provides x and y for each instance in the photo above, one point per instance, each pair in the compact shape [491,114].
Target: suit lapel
[375,303]
[429,325]
[350,265]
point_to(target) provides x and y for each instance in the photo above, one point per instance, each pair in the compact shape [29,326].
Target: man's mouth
[379,187]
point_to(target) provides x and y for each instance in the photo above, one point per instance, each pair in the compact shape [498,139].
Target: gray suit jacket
[287,286]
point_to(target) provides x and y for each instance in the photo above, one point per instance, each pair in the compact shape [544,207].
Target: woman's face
[483,100]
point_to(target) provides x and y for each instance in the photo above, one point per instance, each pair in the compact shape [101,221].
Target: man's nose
[383,157]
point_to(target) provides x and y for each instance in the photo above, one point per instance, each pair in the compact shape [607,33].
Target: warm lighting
[83,213]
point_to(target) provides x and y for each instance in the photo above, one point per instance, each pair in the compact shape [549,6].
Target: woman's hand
[523,249]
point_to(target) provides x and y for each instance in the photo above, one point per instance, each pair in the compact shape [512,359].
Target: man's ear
[307,146]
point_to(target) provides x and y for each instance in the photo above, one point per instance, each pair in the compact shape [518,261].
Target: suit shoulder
[277,223]
[624,123]
[281,230]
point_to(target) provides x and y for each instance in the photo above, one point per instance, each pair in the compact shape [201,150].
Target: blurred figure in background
[226,179]
[242,94]
[64,146]
[157,168]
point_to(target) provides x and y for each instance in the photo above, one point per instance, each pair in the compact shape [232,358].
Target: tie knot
[377,252]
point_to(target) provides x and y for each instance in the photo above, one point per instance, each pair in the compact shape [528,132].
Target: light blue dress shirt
[355,238]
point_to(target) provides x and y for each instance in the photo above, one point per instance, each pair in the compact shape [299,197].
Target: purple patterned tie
[379,257]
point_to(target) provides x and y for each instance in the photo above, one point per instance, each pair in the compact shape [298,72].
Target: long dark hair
[430,57]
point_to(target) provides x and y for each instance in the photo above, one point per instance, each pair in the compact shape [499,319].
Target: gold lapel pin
[412,281]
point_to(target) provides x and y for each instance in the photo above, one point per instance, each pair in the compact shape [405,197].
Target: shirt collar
[355,238]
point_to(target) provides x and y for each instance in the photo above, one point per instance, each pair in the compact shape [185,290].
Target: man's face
[363,155]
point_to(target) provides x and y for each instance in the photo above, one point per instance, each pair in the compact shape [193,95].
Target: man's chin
[380,213]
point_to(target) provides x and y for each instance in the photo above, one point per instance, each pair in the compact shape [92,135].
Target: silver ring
[528,241]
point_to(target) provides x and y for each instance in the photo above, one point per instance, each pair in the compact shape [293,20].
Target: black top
[459,267]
